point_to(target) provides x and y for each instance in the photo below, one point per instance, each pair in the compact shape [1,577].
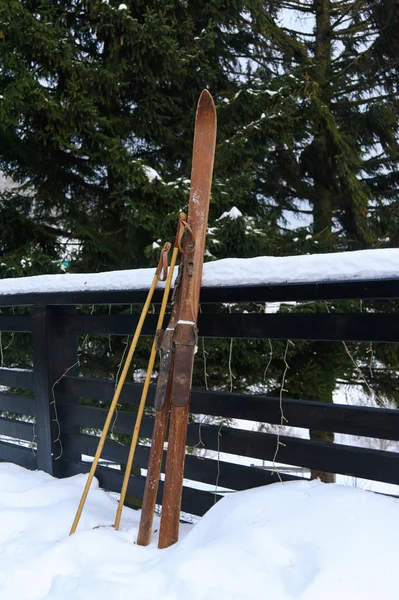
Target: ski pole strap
[180,229]
[189,242]
[162,268]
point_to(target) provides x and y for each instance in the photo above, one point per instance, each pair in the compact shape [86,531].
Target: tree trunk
[323,171]
[322,436]
[322,212]
[321,155]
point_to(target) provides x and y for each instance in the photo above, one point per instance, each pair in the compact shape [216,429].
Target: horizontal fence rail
[336,458]
[356,327]
[364,289]
[340,418]
[207,470]
[16,435]
[194,501]
[51,417]
[17,403]
[20,323]
[21,455]
[17,378]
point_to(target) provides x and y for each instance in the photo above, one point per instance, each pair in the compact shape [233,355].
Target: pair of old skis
[177,343]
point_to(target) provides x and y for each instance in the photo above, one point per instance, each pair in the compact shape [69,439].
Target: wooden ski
[178,342]
[162,406]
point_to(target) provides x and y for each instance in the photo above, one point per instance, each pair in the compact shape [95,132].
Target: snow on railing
[262,270]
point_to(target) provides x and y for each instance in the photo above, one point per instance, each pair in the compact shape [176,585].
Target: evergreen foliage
[97,106]
[97,114]
[321,126]
[319,140]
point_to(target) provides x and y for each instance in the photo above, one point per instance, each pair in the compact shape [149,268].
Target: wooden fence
[59,419]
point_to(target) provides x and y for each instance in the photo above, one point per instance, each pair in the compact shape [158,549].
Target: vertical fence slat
[53,354]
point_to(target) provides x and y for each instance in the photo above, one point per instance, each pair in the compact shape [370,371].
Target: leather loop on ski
[162,268]
[189,239]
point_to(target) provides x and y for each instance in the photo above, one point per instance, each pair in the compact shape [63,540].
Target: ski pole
[150,367]
[160,275]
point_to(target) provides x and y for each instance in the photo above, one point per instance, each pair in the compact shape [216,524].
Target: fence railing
[47,424]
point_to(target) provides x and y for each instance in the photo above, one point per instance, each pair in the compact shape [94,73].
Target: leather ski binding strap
[185,341]
[162,268]
[165,348]
[175,344]
[185,334]
[177,283]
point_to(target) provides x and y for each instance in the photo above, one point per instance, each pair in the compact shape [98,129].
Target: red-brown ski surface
[186,327]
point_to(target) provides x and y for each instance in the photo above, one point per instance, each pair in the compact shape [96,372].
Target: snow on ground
[297,540]
[359,265]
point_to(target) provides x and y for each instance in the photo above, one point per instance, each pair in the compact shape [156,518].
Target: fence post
[53,353]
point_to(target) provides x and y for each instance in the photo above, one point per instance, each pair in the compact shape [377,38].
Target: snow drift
[297,540]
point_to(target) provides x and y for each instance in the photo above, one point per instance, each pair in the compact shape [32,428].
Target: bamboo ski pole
[150,367]
[160,268]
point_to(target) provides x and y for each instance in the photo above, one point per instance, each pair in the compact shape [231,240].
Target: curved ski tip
[206,100]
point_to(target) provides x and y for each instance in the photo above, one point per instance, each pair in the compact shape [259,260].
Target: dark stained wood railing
[56,417]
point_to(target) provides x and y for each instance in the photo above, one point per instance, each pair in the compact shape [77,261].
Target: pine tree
[321,131]
[314,133]
[97,105]
[97,110]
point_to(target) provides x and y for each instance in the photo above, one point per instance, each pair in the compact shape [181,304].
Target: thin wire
[204,354]
[218,463]
[121,361]
[1,346]
[86,337]
[53,403]
[202,420]
[358,370]
[230,371]
[112,432]
[371,359]
[200,443]
[282,417]
[362,377]
[270,359]
[116,384]
[109,337]
[370,350]
[34,435]
[230,357]
[10,342]
[56,420]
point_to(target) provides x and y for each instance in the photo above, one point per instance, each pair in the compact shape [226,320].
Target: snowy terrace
[286,538]
[238,439]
